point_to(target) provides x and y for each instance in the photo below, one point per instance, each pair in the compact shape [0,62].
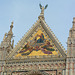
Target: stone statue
[12,43]
[4,39]
[42,8]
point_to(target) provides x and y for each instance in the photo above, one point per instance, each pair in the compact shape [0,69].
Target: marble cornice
[36,60]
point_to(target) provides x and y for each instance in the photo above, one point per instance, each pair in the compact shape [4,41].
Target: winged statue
[43,8]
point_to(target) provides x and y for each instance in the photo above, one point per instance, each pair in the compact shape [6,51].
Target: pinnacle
[11,25]
[74,23]
[74,20]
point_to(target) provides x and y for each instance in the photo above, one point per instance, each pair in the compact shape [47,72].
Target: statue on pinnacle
[43,8]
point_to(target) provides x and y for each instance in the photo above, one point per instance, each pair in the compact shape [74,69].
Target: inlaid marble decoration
[51,72]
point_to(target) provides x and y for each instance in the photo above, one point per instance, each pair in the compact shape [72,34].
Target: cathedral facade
[39,52]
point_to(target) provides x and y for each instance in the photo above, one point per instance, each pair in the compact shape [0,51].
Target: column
[64,72]
[4,73]
[67,66]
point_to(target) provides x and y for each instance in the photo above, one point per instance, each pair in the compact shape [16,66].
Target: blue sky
[59,16]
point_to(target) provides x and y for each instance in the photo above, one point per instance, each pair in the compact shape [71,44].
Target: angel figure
[42,8]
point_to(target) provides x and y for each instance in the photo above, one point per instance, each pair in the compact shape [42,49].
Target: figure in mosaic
[41,44]
[41,39]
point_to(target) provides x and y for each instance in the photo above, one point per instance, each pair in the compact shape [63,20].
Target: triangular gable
[33,40]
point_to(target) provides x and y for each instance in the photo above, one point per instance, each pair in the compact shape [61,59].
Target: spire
[11,25]
[72,30]
[74,23]
[7,37]
[10,31]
